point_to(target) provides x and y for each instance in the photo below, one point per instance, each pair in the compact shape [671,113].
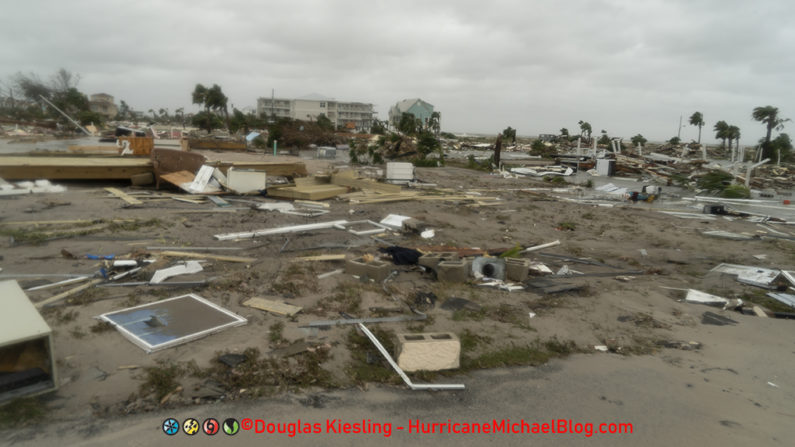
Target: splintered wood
[365,197]
[276,307]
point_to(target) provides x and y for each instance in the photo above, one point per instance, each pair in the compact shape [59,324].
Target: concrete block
[429,351]
[516,269]
[489,267]
[375,269]
[452,271]
[431,260]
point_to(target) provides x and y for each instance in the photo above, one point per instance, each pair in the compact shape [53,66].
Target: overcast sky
[626,66]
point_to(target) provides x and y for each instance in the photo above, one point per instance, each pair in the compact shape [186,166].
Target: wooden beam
[68,293]
[72,168]
[319,258]
[124,196]
[187,254]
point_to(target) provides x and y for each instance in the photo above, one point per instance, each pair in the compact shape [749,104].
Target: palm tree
[216,100]
[733,133]
[721,129]
[585,130]
[199,96]
[769,116]
[697,119]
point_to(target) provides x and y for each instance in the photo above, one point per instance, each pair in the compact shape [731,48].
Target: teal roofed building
[417,107]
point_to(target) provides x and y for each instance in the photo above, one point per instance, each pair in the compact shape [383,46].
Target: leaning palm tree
[721,129]
[768,115]
[697,119]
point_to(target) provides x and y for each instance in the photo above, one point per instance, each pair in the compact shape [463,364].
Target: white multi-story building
[356,116]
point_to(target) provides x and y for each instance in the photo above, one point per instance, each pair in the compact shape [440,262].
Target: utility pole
[679,133]
[273,117]
[67,116]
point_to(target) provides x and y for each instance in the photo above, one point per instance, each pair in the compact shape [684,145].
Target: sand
[736,389]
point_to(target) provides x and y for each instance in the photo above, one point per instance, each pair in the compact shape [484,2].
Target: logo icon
[231,426]
[190,426]
[211,426]
[171,426]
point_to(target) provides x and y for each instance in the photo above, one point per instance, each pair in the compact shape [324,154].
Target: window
[322,104]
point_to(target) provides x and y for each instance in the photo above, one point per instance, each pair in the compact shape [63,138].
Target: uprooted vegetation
[254,376]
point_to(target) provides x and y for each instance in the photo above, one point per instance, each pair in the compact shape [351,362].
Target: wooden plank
[68,293]
[187,254]
[124,196]
[72,168]
[312,204]
[110,150]
[319,258]
[275,307]
[309,192]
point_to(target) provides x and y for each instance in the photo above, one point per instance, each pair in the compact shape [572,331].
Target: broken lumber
[68,293]
[124,196]
[276,307]
[187,254]
[319,258]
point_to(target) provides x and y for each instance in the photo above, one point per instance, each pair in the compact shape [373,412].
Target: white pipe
[281,230]
[67,116]
[59,283]
[541,247]
[413,386]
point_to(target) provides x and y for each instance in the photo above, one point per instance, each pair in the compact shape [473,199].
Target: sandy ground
[737,389]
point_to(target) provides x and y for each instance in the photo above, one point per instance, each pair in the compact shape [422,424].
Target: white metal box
[27,357]
[245,181]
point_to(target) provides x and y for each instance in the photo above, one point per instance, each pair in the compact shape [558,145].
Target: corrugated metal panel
[785,298]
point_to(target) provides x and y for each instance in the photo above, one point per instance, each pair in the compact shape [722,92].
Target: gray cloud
[625,66]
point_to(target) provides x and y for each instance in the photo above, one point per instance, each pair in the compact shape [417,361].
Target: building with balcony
[353,116]
[103,104]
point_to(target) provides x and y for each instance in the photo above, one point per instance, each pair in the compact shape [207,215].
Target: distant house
[417,107]
[103,104]
[355,116]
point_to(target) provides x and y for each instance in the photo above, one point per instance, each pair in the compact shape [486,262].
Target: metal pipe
[413,386]
[67,116]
